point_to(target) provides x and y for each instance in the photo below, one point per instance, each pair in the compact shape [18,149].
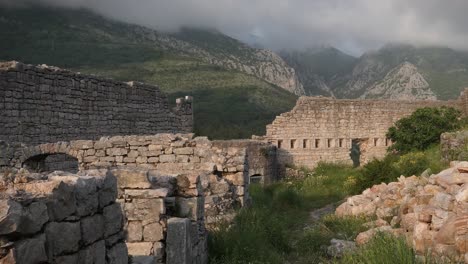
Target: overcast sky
[351,25]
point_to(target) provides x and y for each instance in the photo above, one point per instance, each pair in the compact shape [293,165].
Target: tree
[423,128]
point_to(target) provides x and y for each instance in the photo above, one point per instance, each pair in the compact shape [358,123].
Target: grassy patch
[382,249]
[278,227]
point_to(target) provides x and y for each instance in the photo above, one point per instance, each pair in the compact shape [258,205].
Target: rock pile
[60,218]
[430,211]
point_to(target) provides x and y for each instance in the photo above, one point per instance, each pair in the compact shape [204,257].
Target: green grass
[382,249]
[278,228]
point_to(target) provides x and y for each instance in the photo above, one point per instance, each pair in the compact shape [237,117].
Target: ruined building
[133,180]
[346,131]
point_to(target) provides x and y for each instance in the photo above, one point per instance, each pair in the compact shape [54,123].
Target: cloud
[352,25]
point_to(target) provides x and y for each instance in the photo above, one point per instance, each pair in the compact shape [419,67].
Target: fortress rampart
[41,104]
[325,129]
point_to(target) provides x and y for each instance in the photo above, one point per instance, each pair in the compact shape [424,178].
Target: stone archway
[51,162]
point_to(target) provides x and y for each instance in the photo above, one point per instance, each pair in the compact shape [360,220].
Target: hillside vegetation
[228,102]
[395,71]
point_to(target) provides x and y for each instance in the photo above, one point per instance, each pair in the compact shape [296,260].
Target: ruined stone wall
[60,218]
[41,104]
[224,167]
[454,146]
[164,216]
[323,129]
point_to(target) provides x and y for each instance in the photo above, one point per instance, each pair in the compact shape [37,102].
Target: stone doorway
[358,151]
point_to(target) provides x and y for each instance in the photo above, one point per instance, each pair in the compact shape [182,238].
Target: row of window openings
[330,143]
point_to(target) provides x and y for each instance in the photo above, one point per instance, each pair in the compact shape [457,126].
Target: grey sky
[352,25]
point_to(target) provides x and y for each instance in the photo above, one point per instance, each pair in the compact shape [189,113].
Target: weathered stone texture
[42,104]
[431,212]
[454,146]
[48,218]
[323,129]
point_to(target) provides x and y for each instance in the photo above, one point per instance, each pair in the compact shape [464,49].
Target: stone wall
[164,216]
[431,212]
[60,218]
[324,129]
[41,104]
[454,146]
[225,167]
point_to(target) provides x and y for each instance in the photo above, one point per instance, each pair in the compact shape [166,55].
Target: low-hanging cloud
[354,26]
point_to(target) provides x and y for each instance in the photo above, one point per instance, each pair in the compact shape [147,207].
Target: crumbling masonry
[324,129]
[137,182]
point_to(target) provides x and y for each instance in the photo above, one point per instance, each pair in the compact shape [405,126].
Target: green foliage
[413,163]
[392,166]
[376,172]
[423,128]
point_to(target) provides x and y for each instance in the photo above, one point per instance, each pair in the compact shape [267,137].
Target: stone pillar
[178,241]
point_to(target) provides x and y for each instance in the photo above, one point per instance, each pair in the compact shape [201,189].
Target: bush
[376,172]
[423,128]
[413,163]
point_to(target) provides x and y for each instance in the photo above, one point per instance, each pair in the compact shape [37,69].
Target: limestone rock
[113,219]
[63,238]
[92,229]
[339,247]
[31,250]
[132,178]
[117,254]
[153,232]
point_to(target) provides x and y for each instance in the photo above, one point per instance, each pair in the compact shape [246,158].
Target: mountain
[237,89]
[436,72]
[396,71]
[319,69]
[403,82]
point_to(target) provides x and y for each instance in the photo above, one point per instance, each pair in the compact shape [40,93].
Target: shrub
[423,128]
[376,172]
[413,163]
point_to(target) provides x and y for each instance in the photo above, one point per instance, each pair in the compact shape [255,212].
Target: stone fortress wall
[164,180]
[169,187]
[61,218]
[41,104]
[324,129]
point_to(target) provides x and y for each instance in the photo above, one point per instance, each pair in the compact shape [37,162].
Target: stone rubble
[431,212]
